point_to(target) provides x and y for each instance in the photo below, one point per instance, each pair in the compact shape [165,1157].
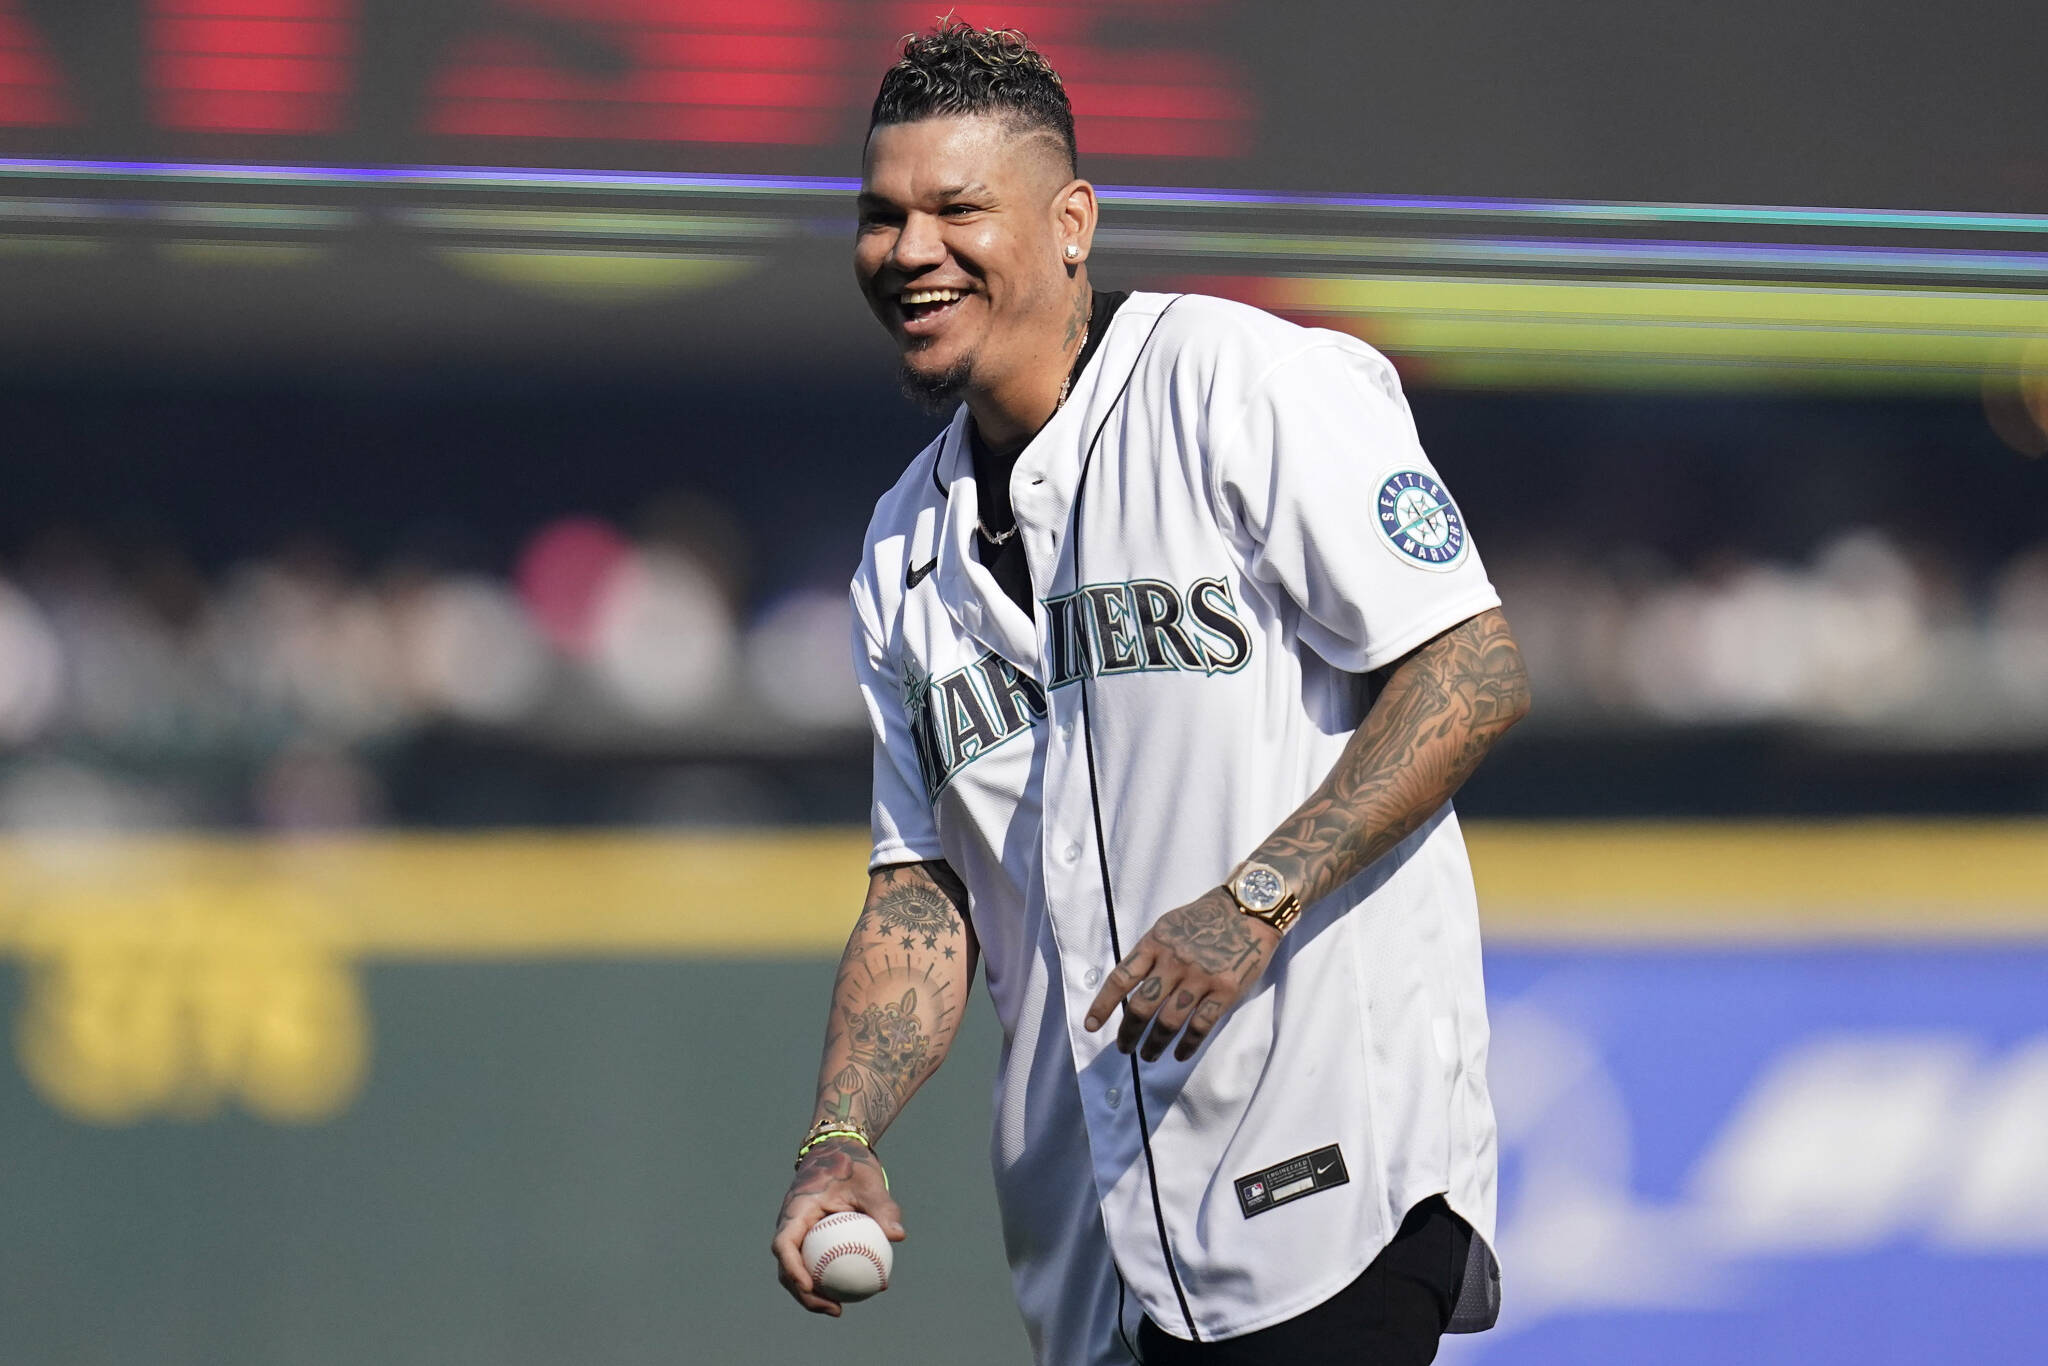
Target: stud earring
[1073,252]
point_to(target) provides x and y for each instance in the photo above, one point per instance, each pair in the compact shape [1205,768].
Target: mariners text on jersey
[1106,628]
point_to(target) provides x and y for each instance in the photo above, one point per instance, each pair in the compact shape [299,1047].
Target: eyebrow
[868,199]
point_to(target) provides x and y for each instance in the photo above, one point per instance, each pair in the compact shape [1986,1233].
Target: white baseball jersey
[1228,524]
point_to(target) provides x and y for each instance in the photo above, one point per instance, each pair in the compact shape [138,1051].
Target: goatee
[935,393]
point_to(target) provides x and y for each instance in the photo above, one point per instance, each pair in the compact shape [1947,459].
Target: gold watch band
[1281,917]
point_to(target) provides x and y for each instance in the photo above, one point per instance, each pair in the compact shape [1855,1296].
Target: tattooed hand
[838,1174]
[1193,965]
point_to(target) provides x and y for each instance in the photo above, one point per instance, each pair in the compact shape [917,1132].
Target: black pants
[1392,1315]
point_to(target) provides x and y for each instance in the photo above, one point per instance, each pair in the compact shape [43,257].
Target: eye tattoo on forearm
[913,910]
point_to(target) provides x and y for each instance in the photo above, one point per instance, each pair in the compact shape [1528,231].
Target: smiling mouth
[924,310]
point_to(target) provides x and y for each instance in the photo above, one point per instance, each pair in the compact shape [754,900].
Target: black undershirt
[1395,1313]
[992,473]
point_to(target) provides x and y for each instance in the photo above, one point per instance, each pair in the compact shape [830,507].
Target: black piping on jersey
[1122,1336]
[1102,844]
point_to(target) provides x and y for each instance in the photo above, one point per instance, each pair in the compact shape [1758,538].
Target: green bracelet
[817,1138]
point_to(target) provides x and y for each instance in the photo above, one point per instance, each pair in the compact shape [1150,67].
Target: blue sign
[1782,1156]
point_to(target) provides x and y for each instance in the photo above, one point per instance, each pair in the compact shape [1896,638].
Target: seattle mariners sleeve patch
[1419,522]
[1290,1180]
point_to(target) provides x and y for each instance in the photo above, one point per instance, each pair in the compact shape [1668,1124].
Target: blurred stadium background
[436,438]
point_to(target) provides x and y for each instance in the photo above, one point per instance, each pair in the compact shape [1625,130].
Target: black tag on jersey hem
[1290,1180]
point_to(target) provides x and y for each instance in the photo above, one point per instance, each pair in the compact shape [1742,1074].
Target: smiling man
[1175,649]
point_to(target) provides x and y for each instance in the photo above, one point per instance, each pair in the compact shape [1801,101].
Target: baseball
[848,1257]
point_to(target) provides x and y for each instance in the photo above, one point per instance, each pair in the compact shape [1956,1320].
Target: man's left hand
[1190,967]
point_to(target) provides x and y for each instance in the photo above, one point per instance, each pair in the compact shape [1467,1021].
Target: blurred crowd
[298,669]
[1888,643]
[294,672]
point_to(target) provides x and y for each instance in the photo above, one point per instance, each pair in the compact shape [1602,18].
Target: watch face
[1259,888]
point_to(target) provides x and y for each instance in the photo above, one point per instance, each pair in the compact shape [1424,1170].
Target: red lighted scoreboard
[1149,78]
[1746,102]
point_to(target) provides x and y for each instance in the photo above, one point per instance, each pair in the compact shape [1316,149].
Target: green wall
[550,1163]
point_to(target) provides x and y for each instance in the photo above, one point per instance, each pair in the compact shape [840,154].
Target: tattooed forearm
[896,1003]
[1442,709]
[914,911]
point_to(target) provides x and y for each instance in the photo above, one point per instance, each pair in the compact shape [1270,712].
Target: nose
[919,246]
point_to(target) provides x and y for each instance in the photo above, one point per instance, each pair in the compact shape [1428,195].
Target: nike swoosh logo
[1325,1167]
[915,574]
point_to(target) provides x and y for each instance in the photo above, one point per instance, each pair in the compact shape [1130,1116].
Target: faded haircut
[960,69]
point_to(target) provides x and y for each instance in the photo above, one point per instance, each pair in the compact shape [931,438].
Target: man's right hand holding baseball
[838,1174]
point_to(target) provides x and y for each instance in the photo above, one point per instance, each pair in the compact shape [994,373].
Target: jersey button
[1071,855]
[1093,977]
[1114,1097]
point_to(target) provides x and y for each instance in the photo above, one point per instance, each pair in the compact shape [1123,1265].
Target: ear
[1074,213]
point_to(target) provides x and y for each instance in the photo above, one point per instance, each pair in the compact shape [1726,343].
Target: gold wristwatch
[1262,894]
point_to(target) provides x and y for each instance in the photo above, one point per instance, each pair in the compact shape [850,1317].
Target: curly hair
[960,69]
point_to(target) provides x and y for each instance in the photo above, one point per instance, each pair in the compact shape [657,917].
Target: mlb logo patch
[1290,1180]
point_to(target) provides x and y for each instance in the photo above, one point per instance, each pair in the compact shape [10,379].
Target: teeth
[932,296]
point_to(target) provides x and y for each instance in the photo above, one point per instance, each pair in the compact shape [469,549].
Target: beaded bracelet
[844,1131]
[839,1126]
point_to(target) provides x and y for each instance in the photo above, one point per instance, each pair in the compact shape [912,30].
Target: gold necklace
[994,538]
